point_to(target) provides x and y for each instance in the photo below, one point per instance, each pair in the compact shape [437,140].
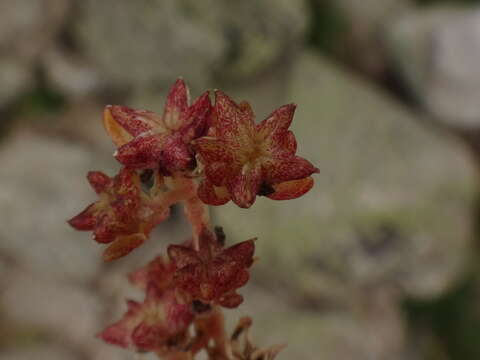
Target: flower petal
[231,300]
[176,105]
[118,134]
[280,170]
[175,156]
[86,220]
[278,121]
[213,150]
[232,121]
[182,256]
[144,152]
[291,189]
[136,121]
[99,181]
[244,187]
[197,117]
[218,172]
[123,246]
[211,194]
[119,332]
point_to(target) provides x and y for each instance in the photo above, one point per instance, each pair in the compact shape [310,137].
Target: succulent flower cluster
[196,154]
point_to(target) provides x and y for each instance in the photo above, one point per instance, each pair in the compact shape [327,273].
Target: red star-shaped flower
[121,216]
[150,141]
[212,274]
[154,325]
[243,159]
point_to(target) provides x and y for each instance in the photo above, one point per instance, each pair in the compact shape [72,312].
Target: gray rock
[26,30]
[364,24]
[42,185]
[45,352]
[144,46]
[391,206]
[67,311]
[437,52]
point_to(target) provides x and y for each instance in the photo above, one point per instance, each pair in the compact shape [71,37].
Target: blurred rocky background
[378,262]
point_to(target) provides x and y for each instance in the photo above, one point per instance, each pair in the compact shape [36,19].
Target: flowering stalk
[195,154]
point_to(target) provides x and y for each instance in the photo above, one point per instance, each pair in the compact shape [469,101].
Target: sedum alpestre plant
[196,154]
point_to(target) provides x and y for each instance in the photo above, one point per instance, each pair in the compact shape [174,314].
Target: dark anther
[200,307]
[220,235]
[265,189]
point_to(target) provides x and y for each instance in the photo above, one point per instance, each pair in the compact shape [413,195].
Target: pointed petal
[86,220]
[280,170]
[99,181]
[176,156]
[218,172]
[107,228]
[212,149]
[241,253]
[118,134]
[176,104]
[244,187]
[291,189]
[211,194]
[289,143]
[231,300]
[278,121]
[232,120]
[197,118]
[123,246]
[182,256]
[136,121]
[119,333]
[144,152]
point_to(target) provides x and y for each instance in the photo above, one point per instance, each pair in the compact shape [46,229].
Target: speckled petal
[99,181]
[291,189]
[212,195]
[118,134]
[279,121]
[123,246]
[144,152]
[176,105]
[136,121]
[86,220]
[280,170]
[232,121]
[244,187]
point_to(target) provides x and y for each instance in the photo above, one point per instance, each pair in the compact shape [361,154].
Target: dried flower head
[243,159]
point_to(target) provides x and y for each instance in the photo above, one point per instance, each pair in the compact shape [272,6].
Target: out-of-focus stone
[26,30]
[68,312]
[144,43]
[370,328]
[437,51]
[70,75]
[364,24]
[45,352]
[15,77]
[144,46]
[42,185]
[390,207]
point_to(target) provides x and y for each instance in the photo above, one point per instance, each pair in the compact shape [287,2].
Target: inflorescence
[196,154]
